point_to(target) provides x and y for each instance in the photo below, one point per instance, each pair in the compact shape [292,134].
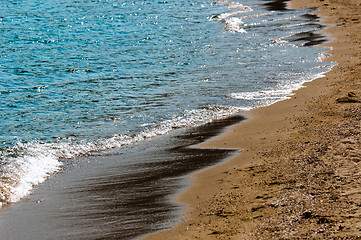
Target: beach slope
[298,174]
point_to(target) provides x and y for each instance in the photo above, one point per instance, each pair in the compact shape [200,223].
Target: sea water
[90,75]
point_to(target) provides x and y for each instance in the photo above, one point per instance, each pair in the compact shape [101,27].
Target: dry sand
[299,172]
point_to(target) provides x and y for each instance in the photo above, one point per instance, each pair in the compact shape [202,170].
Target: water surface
[78,77]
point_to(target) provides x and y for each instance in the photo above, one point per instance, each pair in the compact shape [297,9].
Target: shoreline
[116,194]
[298,172]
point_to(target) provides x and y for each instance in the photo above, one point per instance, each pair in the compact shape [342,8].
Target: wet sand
[118,194]
[299,172]
[297,175]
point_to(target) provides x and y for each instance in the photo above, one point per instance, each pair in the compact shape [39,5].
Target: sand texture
[299,172]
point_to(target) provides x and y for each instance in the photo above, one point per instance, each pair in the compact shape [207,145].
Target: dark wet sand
[119,194]
[298,174]
[124,193]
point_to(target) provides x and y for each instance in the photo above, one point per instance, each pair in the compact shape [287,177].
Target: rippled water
[89,75]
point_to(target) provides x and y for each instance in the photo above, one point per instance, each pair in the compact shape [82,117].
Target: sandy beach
[287,171]
[298,174]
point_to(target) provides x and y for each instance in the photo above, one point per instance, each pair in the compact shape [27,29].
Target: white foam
[258,15]
[28,164]
[278,19]
[321,57]
[232,23]
[278,93]
[231,4]
[262,98]
[24,166]
[262,95]
[294,25]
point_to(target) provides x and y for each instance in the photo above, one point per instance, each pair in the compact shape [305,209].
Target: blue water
[90,75]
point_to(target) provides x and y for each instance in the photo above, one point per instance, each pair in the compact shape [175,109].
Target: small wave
[261,95]
[294,25]
[28,164]
[258,15]
[282,92]
[233,24]
[231,4]
[321,57]
[279,19]
[22,167]
[262,98]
